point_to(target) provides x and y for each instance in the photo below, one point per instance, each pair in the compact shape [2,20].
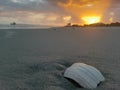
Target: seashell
[85,75]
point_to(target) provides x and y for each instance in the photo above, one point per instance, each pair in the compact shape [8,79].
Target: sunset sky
[59,12]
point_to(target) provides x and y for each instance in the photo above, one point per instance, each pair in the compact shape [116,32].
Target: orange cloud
[85,8]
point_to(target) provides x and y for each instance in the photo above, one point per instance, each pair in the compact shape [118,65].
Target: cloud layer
[56,11]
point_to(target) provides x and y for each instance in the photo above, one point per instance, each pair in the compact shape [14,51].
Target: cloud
[56,10]
[79,8]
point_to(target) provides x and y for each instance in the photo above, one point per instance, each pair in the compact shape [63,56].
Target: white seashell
[85,75]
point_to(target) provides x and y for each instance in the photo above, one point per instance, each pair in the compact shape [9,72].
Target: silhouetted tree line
[93,25]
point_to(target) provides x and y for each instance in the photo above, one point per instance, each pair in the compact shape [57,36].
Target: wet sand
[36,59]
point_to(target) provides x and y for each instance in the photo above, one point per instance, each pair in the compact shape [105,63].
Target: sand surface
[36,59]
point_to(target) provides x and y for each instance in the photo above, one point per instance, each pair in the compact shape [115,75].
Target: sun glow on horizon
[91,19]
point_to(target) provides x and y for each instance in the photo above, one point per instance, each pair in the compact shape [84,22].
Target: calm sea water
[22,26]
[35,59]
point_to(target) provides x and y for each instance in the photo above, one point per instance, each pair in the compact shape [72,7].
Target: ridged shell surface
[85,75]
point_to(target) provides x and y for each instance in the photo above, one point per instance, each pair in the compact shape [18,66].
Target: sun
[91,19]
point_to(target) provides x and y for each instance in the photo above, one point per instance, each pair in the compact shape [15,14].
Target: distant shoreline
[116,24]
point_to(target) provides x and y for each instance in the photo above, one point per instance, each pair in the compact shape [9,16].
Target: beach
[35,59]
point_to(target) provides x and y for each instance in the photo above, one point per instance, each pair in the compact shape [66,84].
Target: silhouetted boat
[13,23]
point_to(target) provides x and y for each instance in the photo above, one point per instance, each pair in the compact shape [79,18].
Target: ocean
[36,58]
[23,26]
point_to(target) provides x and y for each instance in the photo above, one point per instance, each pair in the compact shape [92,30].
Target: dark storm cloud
[28,6]
[47,5]
[10,5]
